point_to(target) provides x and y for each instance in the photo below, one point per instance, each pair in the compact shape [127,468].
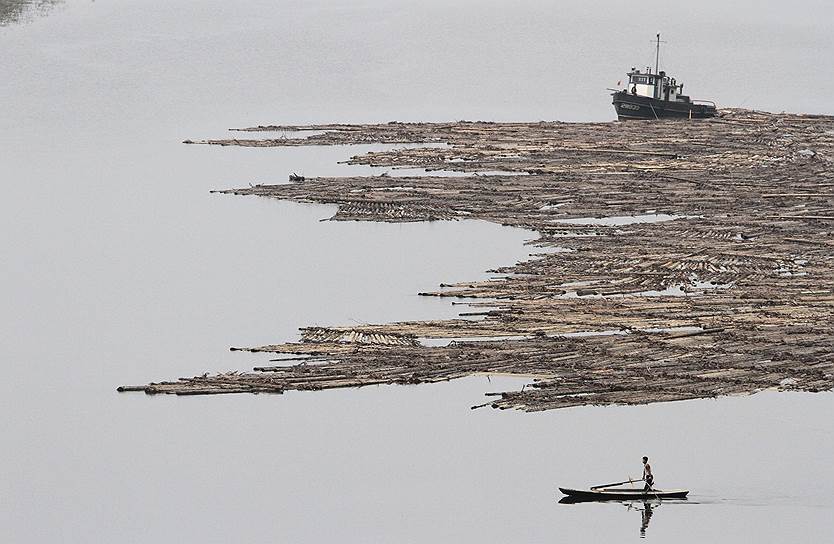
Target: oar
[629,481]
[656,496]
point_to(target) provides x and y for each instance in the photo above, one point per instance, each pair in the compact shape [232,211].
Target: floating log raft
[679,260]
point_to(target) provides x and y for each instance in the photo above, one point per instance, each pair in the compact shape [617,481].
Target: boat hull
[630,106]
[583,495]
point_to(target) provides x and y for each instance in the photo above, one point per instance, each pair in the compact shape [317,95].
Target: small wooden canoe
[611,494]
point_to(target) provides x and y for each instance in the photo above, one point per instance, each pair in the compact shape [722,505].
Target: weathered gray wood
[751,195]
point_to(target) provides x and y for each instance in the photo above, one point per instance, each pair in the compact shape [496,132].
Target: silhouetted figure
[648,477]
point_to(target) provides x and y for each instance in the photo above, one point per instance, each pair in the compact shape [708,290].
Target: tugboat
[655,95]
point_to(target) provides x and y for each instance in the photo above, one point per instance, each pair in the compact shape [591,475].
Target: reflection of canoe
[610,494]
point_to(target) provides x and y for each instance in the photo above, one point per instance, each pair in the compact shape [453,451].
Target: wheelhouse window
[641,80]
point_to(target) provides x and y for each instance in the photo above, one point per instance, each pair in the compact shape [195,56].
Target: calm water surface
[120,267]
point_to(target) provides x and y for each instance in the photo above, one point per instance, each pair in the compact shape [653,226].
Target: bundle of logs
[694,260]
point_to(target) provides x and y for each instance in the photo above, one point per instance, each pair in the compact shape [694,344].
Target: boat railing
[708,102]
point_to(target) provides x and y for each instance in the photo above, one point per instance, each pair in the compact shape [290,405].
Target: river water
[120,267]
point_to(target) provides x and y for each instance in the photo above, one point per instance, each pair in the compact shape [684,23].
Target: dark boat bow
[608,494]
[631,106]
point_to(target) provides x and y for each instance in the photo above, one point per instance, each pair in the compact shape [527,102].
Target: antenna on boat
[657,56]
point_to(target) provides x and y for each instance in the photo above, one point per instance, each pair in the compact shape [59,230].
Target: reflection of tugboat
[657,96]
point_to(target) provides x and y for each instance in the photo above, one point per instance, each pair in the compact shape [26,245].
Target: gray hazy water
[119,267]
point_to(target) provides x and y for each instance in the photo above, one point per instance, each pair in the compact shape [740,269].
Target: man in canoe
[648,477]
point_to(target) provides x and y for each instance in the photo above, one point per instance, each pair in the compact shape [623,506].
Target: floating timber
[678,260]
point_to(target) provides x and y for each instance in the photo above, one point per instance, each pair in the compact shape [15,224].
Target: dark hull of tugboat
[629,106]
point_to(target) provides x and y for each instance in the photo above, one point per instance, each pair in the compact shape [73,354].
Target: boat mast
[657,57]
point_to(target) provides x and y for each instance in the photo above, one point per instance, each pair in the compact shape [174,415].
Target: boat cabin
[658,86]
